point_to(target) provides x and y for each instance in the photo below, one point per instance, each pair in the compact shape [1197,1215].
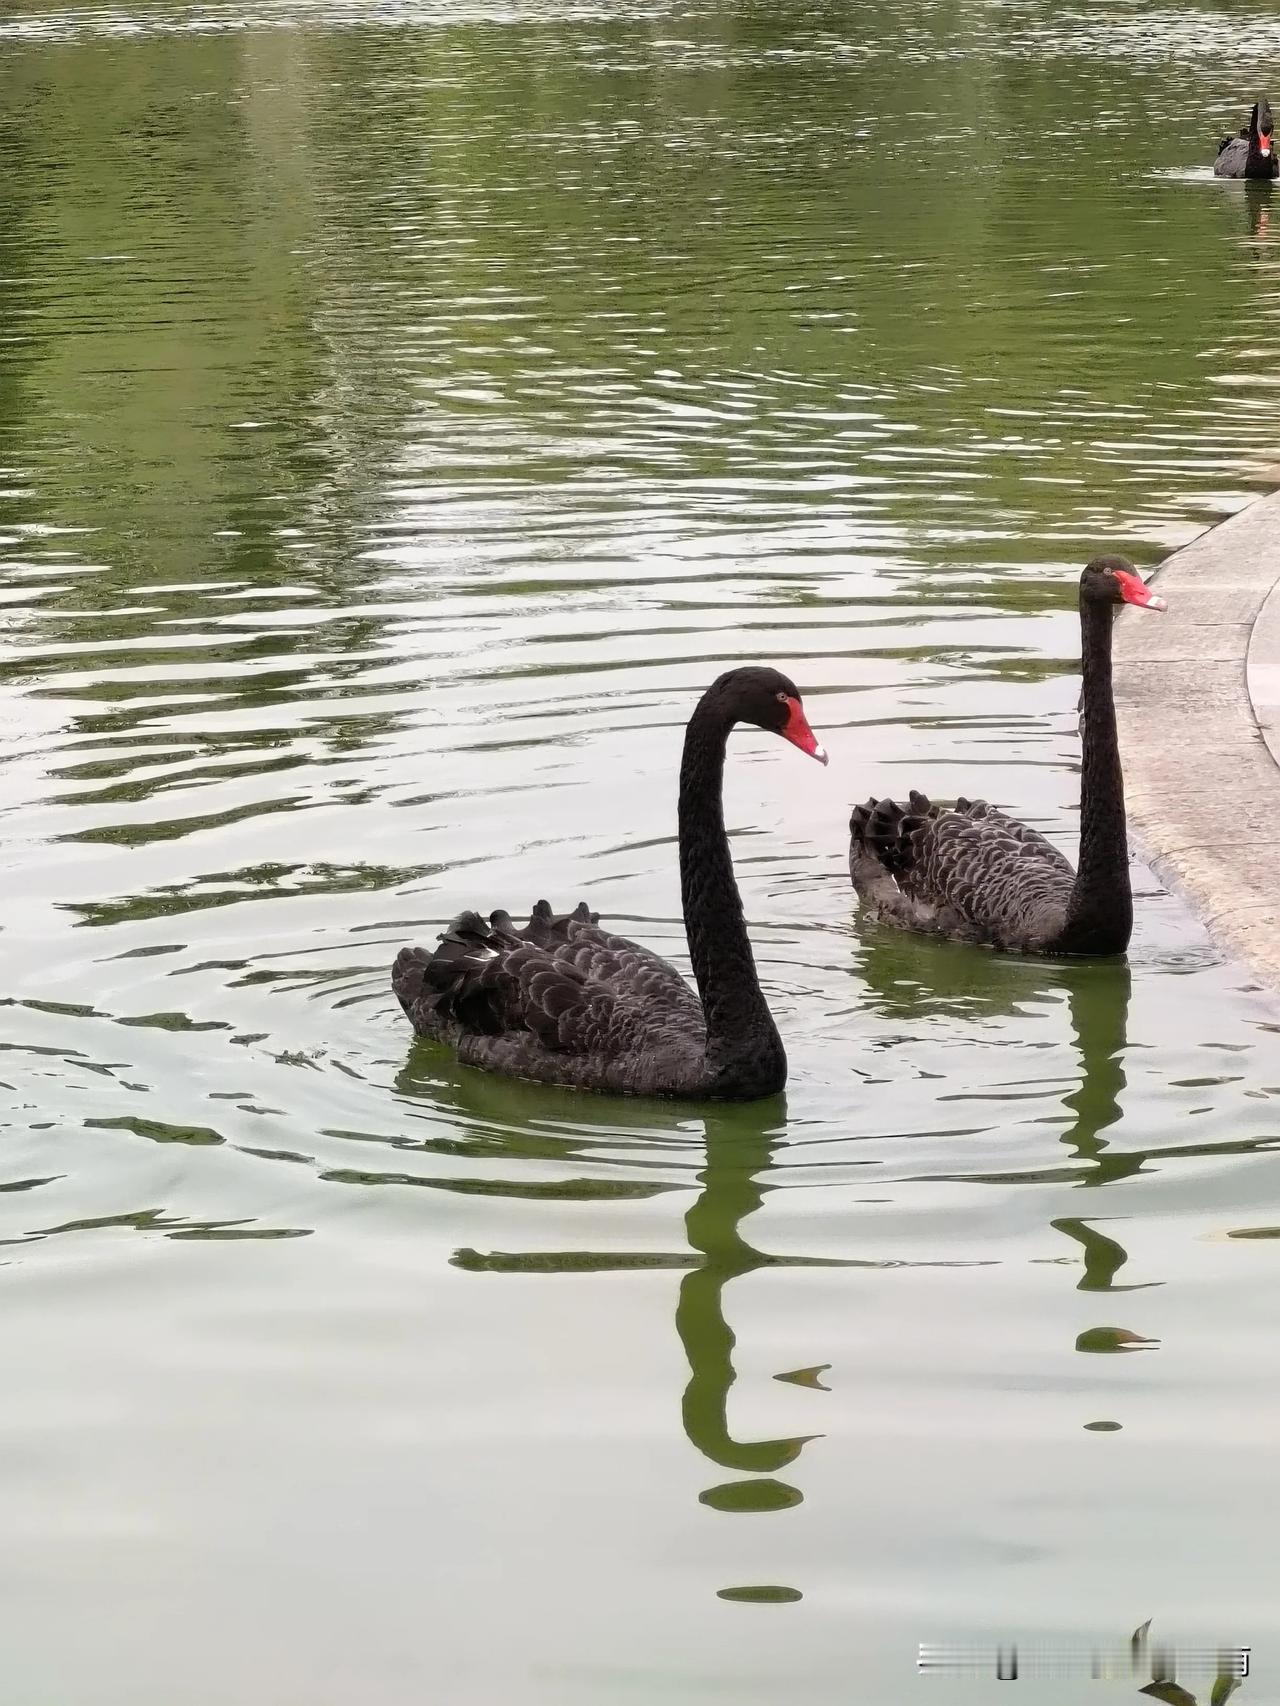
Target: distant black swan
[970,872]
[1251,154]
[567,1003]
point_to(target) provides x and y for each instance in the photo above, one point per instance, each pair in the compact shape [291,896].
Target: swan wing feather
[1232,158]
[966,869]
[576,988]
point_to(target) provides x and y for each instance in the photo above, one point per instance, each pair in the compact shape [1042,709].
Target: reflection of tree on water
[204,402]
[19,258]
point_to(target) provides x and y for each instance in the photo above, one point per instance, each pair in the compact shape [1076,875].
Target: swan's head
[771,701]
[1114,580]
[1261,124]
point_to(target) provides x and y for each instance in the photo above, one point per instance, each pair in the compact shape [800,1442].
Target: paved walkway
[1198,701]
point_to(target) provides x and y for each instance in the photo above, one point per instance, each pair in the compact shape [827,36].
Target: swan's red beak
[1134,590]
[796,729]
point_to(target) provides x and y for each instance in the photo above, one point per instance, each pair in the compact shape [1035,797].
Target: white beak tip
[820,753]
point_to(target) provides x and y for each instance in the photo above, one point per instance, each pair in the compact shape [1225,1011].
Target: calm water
[406,408]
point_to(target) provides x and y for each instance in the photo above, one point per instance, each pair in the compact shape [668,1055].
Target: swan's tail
[407,975]
[463,979]
[881,834]
[546,928]
[428,985]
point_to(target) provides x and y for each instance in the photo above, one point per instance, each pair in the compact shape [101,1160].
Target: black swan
[1251,154]
[565,1002]
[970,872]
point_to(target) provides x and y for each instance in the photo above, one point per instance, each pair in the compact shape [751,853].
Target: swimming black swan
[567,1003]
[1251,154]
[970,872]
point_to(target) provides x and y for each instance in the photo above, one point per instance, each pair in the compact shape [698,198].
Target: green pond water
[406,408]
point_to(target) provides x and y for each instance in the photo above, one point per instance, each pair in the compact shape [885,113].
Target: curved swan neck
[1101,907]
[742,1040]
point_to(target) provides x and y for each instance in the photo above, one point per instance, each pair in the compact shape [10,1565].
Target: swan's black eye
[782,698]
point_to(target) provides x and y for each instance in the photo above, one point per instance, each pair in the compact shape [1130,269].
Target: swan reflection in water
[738,1145]
[738,1153]
[1257,203]
[906,978]
[910,979]
[734,1183]
[1098,1004]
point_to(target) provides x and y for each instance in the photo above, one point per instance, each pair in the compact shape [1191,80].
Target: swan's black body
[565,1002]
[972,873]
[1252,153]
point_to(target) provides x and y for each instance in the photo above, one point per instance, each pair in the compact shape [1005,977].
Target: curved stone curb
[1196,689]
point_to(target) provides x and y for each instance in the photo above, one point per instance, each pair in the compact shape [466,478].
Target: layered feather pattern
[965,871]
[580,1004]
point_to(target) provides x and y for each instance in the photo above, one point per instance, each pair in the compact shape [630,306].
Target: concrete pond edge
[1198,704]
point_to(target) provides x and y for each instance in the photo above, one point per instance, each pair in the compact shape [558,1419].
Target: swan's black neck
[744,1052]
[1100,913]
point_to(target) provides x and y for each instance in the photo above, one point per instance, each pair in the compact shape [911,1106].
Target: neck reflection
[739,1152]
[1098,1000]
[732,1184]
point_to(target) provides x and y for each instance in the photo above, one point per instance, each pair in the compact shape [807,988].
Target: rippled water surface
[405,410]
